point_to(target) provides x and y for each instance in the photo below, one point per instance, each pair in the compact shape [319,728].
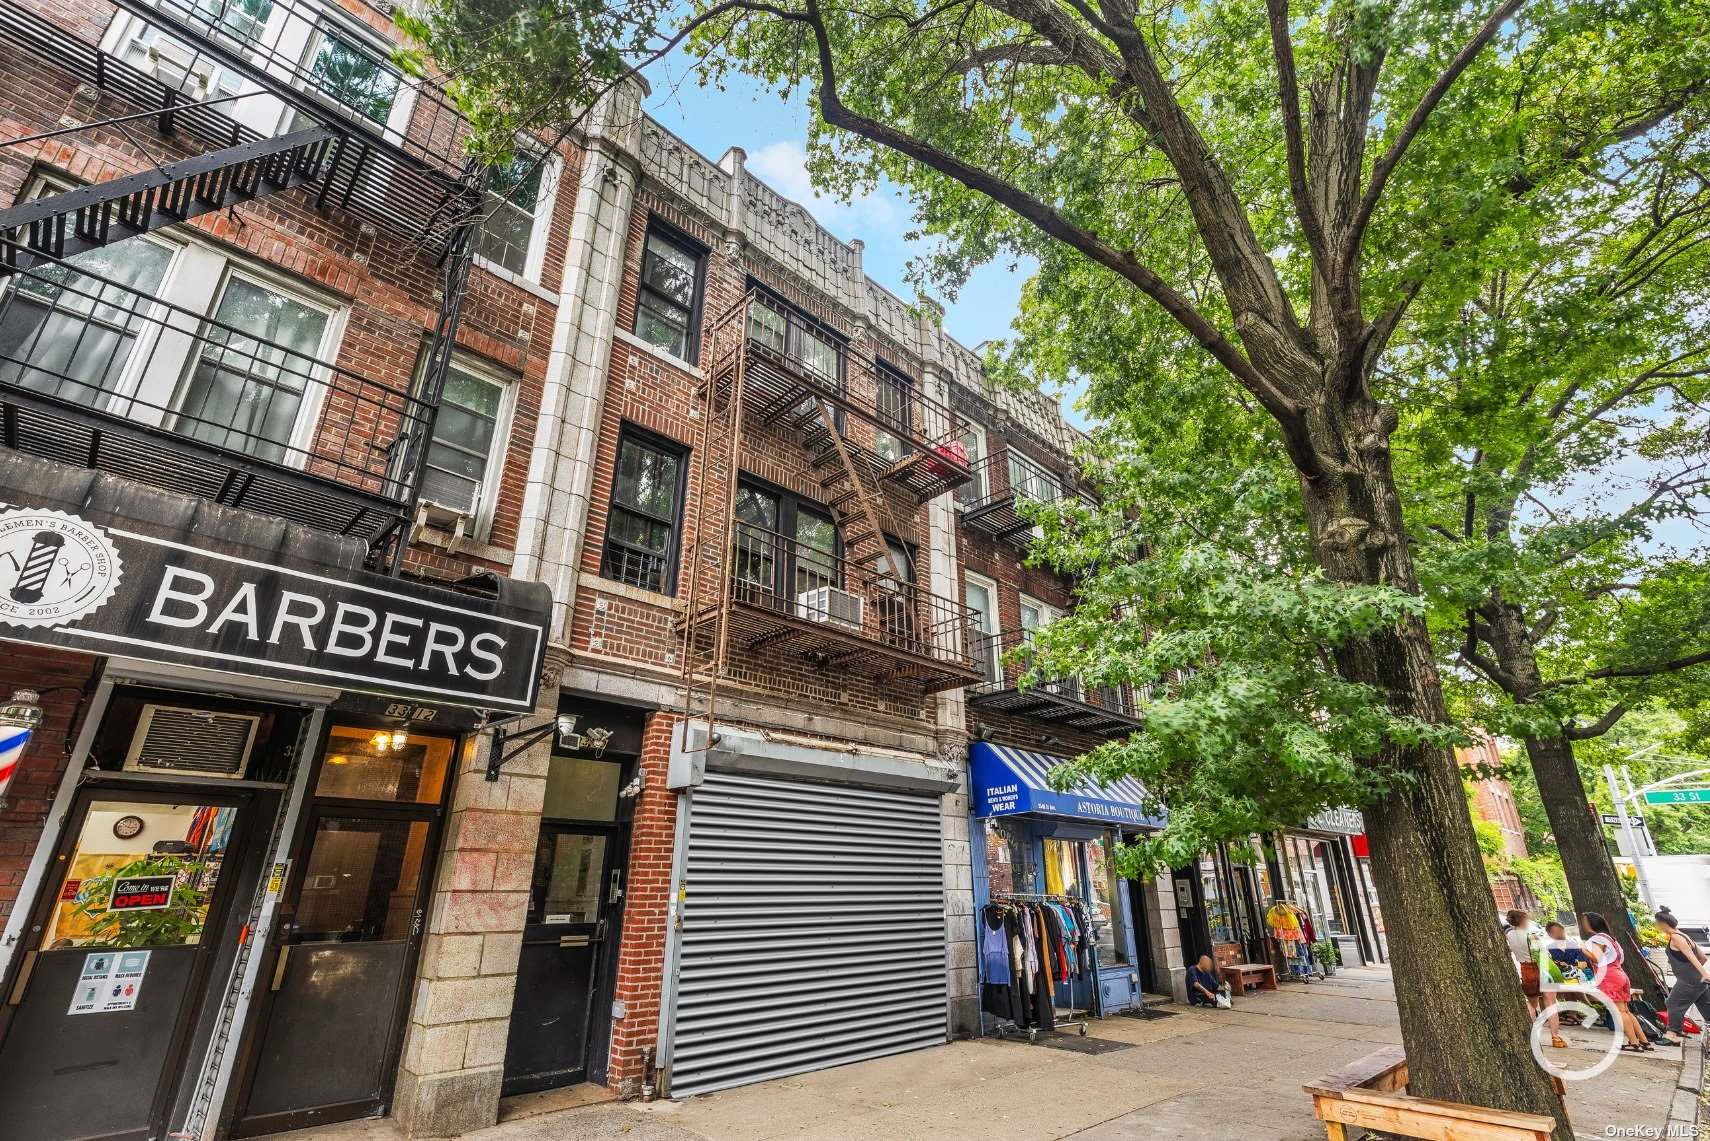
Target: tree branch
[1288,92]
[1387,162]
[1596,728]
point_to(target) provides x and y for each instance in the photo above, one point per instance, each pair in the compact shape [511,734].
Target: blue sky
[773,133]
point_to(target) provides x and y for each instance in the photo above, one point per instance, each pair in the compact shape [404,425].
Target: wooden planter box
[1367,1095]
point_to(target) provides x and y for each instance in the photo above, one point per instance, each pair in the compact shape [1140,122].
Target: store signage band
[69,582]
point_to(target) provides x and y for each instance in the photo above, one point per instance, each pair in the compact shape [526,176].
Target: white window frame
[980,488]
[487,496]
[534,261]
[166,350]
[287,34]
[995,633]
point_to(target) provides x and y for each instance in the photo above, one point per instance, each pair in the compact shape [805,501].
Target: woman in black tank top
[1691,985]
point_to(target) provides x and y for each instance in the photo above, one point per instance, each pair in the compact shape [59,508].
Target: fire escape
[860,612]
[228,101]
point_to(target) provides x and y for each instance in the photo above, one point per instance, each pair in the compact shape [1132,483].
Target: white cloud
[783,166]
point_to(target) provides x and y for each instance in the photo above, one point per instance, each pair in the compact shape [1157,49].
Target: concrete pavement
[1188,1074]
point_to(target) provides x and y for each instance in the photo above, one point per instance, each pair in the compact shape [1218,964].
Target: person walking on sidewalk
[1605,955]
[1691,980]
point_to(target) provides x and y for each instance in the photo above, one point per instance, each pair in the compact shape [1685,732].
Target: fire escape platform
[757,622]
[1042,704]
[999,516]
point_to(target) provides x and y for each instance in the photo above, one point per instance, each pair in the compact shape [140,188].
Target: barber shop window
[668,302]
[646,512]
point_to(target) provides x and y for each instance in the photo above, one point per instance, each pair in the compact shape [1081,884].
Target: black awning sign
[141,893]
[170,601]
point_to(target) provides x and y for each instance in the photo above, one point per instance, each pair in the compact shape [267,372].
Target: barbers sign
[69,582]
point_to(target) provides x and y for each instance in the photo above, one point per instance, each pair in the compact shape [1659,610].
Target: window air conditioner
[828,604]
[177,66]
[191,742]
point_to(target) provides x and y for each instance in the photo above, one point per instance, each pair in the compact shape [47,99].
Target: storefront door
[349,930]
[94,1030]
[575,903]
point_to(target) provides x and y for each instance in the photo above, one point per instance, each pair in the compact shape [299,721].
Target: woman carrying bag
[1691,980]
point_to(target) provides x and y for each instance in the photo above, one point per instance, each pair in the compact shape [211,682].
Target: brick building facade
[778,513]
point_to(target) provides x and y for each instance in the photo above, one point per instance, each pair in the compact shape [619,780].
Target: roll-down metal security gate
[812,930]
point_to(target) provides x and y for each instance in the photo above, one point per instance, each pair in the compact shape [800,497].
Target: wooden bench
[1244,976]
[1367,1095]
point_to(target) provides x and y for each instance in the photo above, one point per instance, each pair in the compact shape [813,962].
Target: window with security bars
[646,513]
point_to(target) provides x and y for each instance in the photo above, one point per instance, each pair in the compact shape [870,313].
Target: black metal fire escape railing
[328,115]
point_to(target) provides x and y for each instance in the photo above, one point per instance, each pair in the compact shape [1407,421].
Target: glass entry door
[348,932]
[115,965]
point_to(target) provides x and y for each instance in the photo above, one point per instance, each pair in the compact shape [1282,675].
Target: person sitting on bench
[1202,983]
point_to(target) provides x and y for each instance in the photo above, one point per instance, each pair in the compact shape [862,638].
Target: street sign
[1611,819]
[1678,796]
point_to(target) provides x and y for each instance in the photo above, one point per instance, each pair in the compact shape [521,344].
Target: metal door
[576,882]
[95,1023]
[329,1027]
[812,930]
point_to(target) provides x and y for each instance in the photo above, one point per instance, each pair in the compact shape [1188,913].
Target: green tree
[1568,362]
[1270,189]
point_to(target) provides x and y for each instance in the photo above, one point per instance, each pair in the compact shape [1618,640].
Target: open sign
[141,893]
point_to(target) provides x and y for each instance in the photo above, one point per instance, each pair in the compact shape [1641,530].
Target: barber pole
[18,719]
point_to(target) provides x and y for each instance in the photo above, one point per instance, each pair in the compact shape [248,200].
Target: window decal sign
[110,981]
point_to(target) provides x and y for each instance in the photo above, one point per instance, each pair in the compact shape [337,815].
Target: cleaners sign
[67,581]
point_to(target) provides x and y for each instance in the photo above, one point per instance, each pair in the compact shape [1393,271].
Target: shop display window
[142,875]
[1062,869]
[1008,867]
[1106,902]
[1217,915]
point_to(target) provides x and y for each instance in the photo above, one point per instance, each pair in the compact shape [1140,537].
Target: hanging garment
[1306,927]
[994,948]
[1284,923]
[1012,938]
[1053,876]
[1031,943]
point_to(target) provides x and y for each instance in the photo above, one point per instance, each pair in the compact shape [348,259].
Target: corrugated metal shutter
[813,930]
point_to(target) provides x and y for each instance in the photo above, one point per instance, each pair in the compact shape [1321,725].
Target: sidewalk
[1188,1074]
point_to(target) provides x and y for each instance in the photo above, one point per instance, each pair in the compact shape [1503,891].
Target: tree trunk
[1585,857]
[1579,836]
[1463,1018]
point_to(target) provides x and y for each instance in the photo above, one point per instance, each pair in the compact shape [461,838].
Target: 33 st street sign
[1678,796]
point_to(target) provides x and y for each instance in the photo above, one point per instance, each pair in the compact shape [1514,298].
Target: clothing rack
[1078,1017]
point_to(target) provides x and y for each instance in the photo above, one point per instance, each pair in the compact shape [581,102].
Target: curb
[1685,1110]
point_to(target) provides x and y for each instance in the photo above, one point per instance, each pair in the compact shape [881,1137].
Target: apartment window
[896,401]
[795,335]
[668,304]
[974,440]
[981,596]
[518,197]
[785,545]
[465,434]
[1035,614]
[646,512]
[175,336]
[1028,479]
[897,601]
[351,74]
[191,72]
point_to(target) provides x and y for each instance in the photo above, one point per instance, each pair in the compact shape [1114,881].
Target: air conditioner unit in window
[177,66]
[828,604]
[191,742]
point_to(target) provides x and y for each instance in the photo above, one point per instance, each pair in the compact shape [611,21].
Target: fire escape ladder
[58,226]
[861,488]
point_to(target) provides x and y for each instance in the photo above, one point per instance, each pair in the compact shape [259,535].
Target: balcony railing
[1102,711]
[1000,484]
[223,74]
[790,599]
[98,374]
[900,434]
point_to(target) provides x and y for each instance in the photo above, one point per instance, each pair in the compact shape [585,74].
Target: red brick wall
[656,395]
[388,286]
[43,765]
[646,911]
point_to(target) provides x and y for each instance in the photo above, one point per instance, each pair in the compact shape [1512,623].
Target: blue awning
[1010,782]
